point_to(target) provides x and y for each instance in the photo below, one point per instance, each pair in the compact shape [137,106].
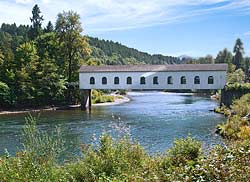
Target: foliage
[238,87]
[184,150]
[202,60]
[100,97]
[238,122]
[5,98]
[41,145]
[37,161]
[113,53]
[241,107]
[123,160]
[238,51]
[36,20]
[236,77]
[224,56]
[74,46]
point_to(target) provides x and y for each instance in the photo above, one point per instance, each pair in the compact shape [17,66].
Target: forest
[39,63]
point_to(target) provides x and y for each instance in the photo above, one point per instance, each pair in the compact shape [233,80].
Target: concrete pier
[85,99]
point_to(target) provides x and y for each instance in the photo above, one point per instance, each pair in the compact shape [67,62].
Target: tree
[224,56]
[238,53]
[49,85]
[74,46]
[26,68]
[5,99]
[36,20]
[49,28]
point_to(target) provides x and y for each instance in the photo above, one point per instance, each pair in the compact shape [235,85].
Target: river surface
[154,119]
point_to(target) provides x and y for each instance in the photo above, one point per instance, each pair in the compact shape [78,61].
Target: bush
[241,106]
[237,76]
[99,97]
[37,161]
[124,160]
[111,160]
[184,150]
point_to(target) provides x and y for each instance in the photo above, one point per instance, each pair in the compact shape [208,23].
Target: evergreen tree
[36,20]
[238,53]
[49,28]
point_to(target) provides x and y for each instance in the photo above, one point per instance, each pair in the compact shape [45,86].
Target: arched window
[170,80]
[129,80]
[116,80]
[183,80]
[143,80]
[155,80]
[92,81]
[210,80]
[104,80]
[197,80]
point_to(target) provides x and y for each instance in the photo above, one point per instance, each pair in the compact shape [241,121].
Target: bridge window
[116,80]
[210,80]
[197,80]
[143,80]
[183,80]
[92,81]
[129,80]
[155,80]
[170,80]
[104,80]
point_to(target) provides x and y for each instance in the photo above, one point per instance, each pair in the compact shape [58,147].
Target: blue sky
[169,27]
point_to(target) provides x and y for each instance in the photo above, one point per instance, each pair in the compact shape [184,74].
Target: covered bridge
[151,77]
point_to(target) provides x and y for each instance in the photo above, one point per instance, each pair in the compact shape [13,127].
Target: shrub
[184,150]
[111,160]
[37,161]
[99,97]
[237,76]
[238,122]
[241,106]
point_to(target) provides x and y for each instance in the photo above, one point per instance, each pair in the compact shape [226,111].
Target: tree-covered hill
[109,52]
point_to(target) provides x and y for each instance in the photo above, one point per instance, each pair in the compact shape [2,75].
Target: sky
[170,27]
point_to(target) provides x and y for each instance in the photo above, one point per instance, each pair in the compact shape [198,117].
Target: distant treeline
[112,53]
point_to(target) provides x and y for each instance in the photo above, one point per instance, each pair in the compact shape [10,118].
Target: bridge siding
[219,80]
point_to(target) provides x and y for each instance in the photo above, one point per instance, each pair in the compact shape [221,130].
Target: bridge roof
[154,68]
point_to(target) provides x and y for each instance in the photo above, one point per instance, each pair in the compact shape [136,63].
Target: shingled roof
[154,68]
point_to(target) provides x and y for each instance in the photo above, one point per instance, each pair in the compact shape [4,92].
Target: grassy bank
[100,97]
[122,160]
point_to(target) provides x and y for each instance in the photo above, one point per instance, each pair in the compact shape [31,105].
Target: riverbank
[122,159]
[118,99]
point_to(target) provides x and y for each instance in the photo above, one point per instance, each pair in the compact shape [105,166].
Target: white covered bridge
[151,77]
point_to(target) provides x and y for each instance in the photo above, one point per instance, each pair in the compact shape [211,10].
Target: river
[154,119]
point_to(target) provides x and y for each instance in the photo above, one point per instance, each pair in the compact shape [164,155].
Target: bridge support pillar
[85,99]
